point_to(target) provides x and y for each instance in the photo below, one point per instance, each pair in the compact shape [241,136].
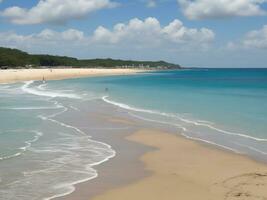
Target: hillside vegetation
[14,58]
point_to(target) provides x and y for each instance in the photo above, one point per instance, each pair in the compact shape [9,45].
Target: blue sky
[196,33]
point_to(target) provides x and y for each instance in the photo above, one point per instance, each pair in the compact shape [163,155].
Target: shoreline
[154,171]
[17,75]
[209,172]
[161,164]
[111,174]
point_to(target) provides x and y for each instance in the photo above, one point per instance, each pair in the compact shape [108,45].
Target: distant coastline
[18,75]
[14,58]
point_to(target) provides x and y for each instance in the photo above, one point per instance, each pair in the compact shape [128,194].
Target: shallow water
[223,107]
[40,156]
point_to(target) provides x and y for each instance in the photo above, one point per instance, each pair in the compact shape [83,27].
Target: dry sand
[15,75]
[183,169]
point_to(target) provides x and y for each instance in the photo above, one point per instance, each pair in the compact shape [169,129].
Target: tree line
[14,58]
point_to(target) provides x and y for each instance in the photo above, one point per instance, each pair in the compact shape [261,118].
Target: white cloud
[149,33]
[47,37]
[55,11]
[68,35]
[255,39]
[202,9]
[135,33]
[139,39]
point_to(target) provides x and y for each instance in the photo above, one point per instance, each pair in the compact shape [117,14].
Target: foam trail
[251,148]
[78,142]
[51,94]
[184,129]
[30,108]
[74,108]
[157,121]
[124,106]
[25,148]
[71,186]
[212,143]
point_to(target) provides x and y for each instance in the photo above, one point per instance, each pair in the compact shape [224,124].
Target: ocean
[43,157]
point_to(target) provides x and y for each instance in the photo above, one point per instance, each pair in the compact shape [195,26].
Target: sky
[192,33]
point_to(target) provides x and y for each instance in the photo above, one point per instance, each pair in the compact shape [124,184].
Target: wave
[206,124]
[31,108]
[70,186]
[23,149]
[41,92]
[68,159]
[251,148]
[212,143]
[186,136]
[74,108]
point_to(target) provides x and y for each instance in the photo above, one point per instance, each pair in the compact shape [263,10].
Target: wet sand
[125,167]
[184,169]
[153,163]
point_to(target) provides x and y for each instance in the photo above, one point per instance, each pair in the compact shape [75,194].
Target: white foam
[31,108]
[157,121]
[24,148]
[53,94]
[127,107]
[109,128]
[212,143]
[251,148]
[184,129]
[74,108]
[71,185]
[29,142]
[11,156]
[68,148]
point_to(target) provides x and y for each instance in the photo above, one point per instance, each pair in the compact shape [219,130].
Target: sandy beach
[15,75]
[155,164]
[183,169]
[160,164]
[133,100]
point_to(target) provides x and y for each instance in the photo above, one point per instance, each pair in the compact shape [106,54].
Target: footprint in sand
[252,186]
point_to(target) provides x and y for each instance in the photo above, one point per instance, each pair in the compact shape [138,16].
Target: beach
[15,75]
[136,157]
[133,100]
[184,169]
[155,163]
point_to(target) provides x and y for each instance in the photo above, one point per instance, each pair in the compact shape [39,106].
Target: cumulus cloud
[138,36]
[149,32]
[202,9]
[47,37]
[55,11]
[256,39]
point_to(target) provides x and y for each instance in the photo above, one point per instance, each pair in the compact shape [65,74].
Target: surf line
[51,117]
[127,107]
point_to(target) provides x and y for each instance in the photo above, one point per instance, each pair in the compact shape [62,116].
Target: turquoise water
[232,98]
[41,157]
[223,107]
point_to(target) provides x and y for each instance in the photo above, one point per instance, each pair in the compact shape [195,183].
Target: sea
[43,157]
